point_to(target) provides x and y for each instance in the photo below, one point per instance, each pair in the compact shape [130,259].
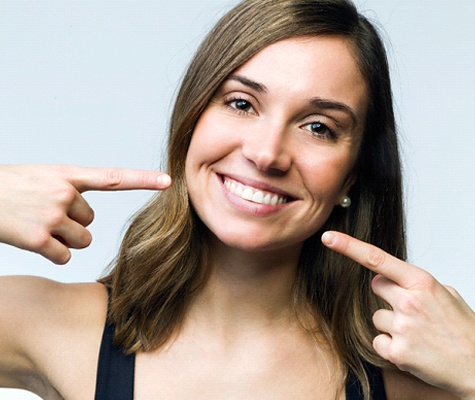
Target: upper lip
[257,184]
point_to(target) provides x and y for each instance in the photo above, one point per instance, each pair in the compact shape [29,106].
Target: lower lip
[249,207]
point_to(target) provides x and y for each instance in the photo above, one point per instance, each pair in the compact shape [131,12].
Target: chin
[255,242]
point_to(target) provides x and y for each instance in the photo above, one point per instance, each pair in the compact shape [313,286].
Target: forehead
[307,67]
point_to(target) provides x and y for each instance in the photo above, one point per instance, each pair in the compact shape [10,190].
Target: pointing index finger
[107,179]
[373,258]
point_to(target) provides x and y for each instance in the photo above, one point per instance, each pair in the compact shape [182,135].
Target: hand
[430,331]
[42,210]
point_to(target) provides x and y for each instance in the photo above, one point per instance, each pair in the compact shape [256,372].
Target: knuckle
[114,177]
[400,353]
[148,181]
[376,257]
[428,282]
[394,349]
[397,355]
[38,240]
[66,195]
[55,219]
[401,327]
[60,169]
[425,283]
[410,303]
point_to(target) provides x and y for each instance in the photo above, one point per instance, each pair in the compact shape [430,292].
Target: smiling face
[273,152]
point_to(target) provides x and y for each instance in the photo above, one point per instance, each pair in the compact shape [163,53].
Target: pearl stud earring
[345,202]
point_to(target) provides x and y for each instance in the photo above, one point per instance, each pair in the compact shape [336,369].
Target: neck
[247,289]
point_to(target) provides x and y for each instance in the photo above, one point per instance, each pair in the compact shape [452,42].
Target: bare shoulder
[39,301]
[401,386]
[50,333]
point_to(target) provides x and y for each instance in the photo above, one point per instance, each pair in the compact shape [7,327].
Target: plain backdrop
[92,83]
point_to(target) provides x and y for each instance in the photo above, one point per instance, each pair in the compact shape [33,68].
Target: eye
[240,105]
[320,130]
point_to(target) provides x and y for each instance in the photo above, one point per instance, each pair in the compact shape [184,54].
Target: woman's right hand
[42,209]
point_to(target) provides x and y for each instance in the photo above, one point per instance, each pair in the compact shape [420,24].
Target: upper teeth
[252,194]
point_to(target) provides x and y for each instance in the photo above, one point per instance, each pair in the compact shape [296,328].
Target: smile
[252,194]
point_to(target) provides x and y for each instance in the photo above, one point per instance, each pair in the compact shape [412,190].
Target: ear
[350,180]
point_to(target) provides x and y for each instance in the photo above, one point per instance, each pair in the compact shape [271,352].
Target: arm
[50,335]
[42,210]
[23,302]
[430,331]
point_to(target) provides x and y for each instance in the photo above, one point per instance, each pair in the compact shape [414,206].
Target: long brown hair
[163,258]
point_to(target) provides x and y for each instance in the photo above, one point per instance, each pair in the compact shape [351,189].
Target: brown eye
[320,130]
[242,105]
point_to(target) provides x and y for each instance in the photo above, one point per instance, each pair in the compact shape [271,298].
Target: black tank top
[116,370]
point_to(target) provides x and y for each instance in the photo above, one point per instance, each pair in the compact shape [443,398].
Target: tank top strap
[115,369]
[354,390]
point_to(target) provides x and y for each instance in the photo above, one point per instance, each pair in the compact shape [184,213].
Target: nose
[268,148]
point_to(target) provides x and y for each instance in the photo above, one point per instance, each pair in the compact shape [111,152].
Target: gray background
[92,82]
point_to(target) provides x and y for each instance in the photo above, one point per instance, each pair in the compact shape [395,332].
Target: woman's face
[273,152]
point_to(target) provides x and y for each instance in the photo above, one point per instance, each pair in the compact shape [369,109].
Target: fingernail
[328,238]
[164,180]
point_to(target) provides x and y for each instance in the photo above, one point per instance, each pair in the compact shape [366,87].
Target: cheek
[208,145]
[200,145]
[210,140]
[328,175]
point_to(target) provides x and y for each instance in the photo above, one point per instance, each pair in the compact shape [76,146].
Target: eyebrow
[326,104]
[316,102]
[258,87]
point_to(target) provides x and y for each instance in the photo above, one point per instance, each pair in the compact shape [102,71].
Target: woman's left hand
[430,331]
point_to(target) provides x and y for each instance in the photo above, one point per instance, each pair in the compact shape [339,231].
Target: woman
[283,129]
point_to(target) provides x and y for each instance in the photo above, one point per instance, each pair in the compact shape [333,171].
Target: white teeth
[247,194]
[238,190]
[258,197]
[254,195]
